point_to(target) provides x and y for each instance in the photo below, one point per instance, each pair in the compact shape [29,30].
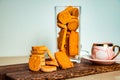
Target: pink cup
[104,51]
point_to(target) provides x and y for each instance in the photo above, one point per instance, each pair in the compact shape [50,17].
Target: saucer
[98,61]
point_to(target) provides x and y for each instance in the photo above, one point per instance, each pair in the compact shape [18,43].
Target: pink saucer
[98,61]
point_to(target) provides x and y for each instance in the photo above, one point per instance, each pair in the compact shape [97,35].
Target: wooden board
[81,69]
[12,68]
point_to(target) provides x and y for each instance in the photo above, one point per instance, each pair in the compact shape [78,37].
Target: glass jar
[67,24]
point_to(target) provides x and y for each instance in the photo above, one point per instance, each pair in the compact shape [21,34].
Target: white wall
[25,23]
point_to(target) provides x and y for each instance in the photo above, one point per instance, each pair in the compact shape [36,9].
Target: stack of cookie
[68,39]
[39,51]
[37,57]
[38,62]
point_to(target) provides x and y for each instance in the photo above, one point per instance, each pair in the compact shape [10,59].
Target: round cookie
[64,17]
[73,24]
[39,48]
[48,68]
[60,25]
[75,12]
[34,63]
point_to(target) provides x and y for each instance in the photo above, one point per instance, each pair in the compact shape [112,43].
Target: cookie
[52,63]
[69,8]
[75,12]
[61,39]
[73,25]
[34,63]
[74,17]
[64,17]
[39,48]
[67,43]
[48,68]
[50,54]
[63,60]
[42,57]
[74,43]
[60,25]
[38,52]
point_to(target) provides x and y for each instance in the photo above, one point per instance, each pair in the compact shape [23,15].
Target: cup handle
[117,52]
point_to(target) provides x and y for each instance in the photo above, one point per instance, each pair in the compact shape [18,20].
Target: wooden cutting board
[79,69]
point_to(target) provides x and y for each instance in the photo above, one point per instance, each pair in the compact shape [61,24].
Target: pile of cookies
[37,60]
[67,43]
[68,36]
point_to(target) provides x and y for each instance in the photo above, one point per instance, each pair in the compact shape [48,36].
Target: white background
[26,23]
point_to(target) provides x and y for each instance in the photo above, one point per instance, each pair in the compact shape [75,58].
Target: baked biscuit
[74,43]
[39,48]
[73,24]
[34,63]
[64,17]
[50,55]
[74,17]
[67,43]
[75,12]
[52,63]
[48,68]
[60,25]
[63,60]
[69,8]
[42,57]
[38,52]
[61,39]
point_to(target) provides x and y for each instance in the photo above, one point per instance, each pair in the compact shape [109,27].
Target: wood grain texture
[78,70]
[12,68]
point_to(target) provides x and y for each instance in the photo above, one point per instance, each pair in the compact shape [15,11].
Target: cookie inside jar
[68,30]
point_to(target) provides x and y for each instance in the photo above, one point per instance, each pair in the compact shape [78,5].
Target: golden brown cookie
[74,17]
[52,63]
[67,43]
[69,8]
[75,12]
[48,68]
[39,48]
[62,38]
[74,43]
[73,25]
[60,25]
[50,54]
[38,52]
[63,60]
[34,63]
[42,57]
[64,17]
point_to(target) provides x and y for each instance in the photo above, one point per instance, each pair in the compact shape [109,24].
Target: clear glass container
[67,24]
